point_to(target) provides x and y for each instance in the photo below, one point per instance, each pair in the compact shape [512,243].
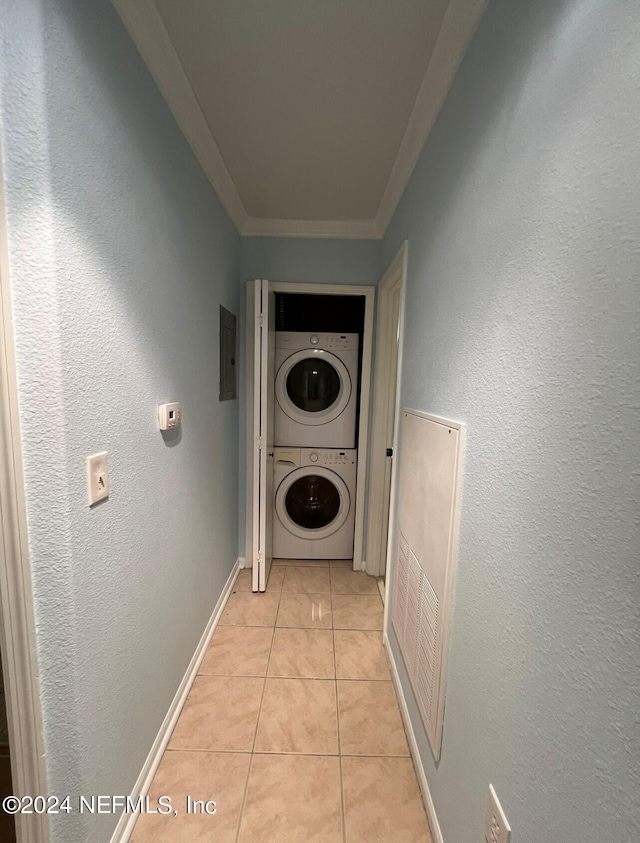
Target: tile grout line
[301,678]
[255,734]
[244,798]
[281,752]
[266,674]
[325,628]
[335,667]
[273,635]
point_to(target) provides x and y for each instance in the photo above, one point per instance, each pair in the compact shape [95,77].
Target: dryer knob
[313,457]
[314,340]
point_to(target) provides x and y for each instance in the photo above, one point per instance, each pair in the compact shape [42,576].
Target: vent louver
[415,619]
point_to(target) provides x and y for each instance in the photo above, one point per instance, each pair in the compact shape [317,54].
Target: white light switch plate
[97,478]
[497,829]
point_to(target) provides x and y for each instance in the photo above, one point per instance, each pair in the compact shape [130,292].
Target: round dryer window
[313,386]
[312,502]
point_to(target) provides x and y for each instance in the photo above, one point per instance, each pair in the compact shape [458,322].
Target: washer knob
[313,457]
[314,340]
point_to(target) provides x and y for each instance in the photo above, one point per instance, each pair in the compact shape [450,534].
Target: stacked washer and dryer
[315,458]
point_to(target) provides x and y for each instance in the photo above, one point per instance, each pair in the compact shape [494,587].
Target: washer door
[312,503]
[313,386]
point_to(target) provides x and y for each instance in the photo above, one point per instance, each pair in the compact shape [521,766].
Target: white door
[385,409]
[263,397]
[392,384]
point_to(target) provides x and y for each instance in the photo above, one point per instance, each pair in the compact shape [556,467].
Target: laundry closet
[311,361]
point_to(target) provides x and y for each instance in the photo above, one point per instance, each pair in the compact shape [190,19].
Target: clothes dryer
[316,389]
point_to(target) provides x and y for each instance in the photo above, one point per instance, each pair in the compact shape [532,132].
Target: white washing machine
[316,386]
[315,491]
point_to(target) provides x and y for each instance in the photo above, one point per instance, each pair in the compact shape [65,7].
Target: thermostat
[169,415]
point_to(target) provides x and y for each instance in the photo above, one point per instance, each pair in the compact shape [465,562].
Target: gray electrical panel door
[227,355]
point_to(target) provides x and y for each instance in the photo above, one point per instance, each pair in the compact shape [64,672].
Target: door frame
[385,410]
[369,293]
[261,433]
[17,618]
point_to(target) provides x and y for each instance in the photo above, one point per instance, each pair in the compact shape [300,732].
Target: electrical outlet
[497,829]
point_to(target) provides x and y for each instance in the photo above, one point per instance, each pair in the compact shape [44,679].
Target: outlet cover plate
[497,829]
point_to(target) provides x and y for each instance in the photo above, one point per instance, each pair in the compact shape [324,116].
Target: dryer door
[313,386]
[312,503]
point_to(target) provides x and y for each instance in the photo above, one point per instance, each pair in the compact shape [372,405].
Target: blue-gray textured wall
[522,320]
[312,261]
[120,255]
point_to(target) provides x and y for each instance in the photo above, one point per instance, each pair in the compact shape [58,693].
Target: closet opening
[310,357]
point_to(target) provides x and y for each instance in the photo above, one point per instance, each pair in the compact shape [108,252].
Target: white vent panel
[415,620]
[425,552]
[401,588]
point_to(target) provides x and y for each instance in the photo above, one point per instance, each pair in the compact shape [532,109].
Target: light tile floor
[292,726]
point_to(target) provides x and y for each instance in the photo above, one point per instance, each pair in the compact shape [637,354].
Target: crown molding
[458,26]
[146,27]
[144,24]
[333,229]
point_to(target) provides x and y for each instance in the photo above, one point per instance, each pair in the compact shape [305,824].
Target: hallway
[471,170]
[292,726]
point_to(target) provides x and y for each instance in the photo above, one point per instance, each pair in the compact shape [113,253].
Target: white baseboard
[125,826]
[436,832]
[242,562]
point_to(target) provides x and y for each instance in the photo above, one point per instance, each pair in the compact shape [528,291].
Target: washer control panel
[326,456]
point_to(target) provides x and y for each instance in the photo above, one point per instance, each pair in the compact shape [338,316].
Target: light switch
[97,478]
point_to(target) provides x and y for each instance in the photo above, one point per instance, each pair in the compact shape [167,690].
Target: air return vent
[425,552]
[415,619]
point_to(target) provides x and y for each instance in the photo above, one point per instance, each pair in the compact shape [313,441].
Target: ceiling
[307,115]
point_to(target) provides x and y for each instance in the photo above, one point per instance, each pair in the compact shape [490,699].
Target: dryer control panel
[330,341]
[296,340]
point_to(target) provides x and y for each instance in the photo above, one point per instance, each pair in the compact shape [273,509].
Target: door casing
[17,618]
[369,293]
[385,409]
